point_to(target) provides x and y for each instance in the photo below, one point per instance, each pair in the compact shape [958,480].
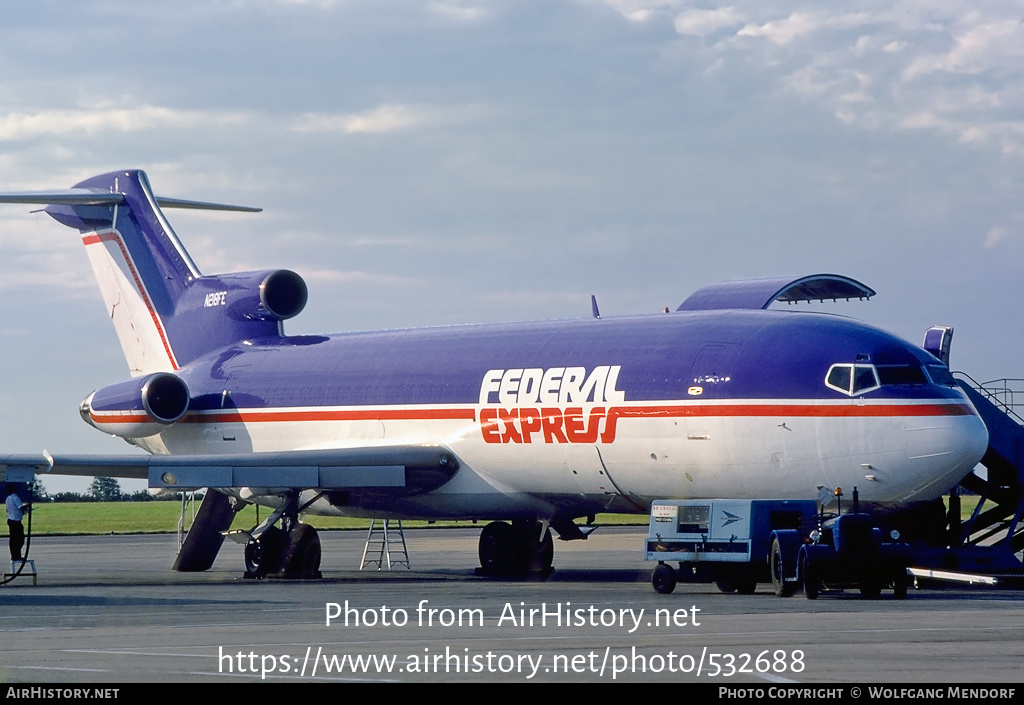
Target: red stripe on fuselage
[650,411]
[255,416]
[773,410]
[120,417]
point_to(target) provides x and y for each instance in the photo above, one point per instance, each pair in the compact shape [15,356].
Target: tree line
[102,489]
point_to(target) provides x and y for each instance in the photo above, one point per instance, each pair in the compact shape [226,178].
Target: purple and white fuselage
[546,421]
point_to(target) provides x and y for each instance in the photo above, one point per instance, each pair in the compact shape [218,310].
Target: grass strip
[93,518]
[96,518]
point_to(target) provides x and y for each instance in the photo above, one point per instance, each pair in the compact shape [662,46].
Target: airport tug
[788,543]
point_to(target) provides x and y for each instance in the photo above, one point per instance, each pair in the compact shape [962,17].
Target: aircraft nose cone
[944,450]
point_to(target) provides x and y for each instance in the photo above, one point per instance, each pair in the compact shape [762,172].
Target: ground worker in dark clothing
[15,512]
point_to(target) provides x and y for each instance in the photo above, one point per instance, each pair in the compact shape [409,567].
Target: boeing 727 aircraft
[529,425]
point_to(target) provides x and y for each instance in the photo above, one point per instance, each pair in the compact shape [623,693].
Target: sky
[437,162]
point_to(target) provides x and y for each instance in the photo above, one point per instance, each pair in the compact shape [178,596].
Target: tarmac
[109,609]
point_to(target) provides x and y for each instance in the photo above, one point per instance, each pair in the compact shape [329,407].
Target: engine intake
[139,407]
[283,294]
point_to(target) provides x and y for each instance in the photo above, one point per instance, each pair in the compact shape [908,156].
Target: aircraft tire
[663,579]
[263,556]
[543,553]
[498,549]
[303,553]
[253,560]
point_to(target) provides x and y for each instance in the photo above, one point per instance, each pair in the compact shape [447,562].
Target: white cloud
[782,31]
[386,242]
[61,269]
[642,10]
[994,237]
[700,23]
[921,120]
[319,4]
[538,297]
[1010,230]
[386,118]
[335,276]
[897,66]
[26,125]
[979,48]
[459,11]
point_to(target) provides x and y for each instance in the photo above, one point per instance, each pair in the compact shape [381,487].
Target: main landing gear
[289,551]
[523,548]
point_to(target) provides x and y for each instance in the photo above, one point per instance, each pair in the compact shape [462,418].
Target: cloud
[901,65]
[782,31]
[387,242]
[56,271]
[642,10]
[459,11]
[980,48]
[335,276]
[385,118]
[994,237]
[700,23]
[27,125]
[537,297]
[319,4]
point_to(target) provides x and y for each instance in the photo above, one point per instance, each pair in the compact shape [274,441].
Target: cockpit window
[901,374]
[864,378]
[839,377]
[940,374]
[852,379]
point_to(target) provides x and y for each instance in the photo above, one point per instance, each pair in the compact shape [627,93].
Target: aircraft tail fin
[165,312]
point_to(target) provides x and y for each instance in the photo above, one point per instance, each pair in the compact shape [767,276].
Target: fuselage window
[852,379]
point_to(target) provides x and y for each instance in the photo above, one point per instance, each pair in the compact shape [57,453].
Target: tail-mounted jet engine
[137,408]
[223,309]
[269,295]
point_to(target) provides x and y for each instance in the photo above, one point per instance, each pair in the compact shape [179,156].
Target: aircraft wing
[410,467]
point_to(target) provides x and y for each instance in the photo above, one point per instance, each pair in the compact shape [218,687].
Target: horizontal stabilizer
[66,197]
[165,202]
[92,197]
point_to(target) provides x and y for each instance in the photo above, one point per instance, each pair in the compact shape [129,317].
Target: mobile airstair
[991,541]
